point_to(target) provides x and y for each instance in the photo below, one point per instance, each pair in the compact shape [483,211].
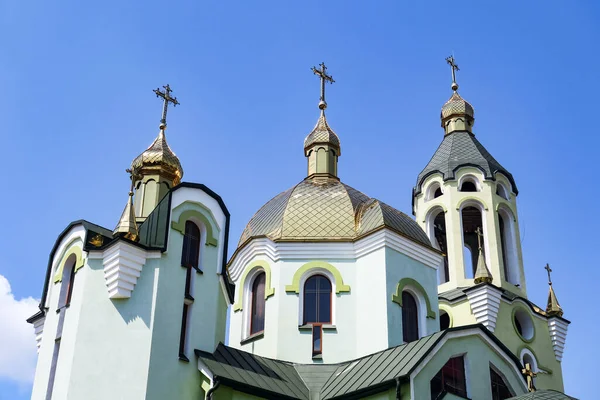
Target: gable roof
[544,394]
[275,379]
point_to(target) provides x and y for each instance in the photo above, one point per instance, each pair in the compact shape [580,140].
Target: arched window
[190,255]
[67,283]
[471,221]
[501,191]
[433,191]
[410,318]
[317,308]
[469,184]
[500,389]
[257,315]
[508,246]
[437,234]
[444,320]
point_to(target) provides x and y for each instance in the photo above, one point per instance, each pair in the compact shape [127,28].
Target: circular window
[523,324]
[444,320]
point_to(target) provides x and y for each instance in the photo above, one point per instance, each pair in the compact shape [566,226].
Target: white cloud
[18,354]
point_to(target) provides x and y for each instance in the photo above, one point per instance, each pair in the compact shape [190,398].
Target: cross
[529,375]
[479,236]
[324,78]
[548,269]
[166,95]
[454,66]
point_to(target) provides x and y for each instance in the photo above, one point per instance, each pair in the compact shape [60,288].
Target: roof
[322,133]
[544,394]
[461,149]
[159,155]
[456,105]
[276,379]
[327,210]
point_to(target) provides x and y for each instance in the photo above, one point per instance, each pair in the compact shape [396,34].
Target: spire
[127,227]
[553,308]
[457,114]
[482,273]
[322,161]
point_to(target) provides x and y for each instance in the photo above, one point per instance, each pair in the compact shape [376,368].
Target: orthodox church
[329,294]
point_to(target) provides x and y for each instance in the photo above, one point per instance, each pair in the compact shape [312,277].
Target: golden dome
[322,134]
[327,210]
[159,158]
[456,105]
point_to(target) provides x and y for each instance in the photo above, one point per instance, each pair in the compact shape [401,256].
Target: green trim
[447,310]
[540,366]
[179,225]
[70,250]
[512,319]
[339,282]
[397,297]
[269,290]
[472,198]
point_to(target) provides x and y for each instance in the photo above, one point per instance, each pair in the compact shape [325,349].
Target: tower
[124,310]
[465,200]
[464,189]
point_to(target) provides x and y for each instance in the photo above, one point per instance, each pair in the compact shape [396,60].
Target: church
[329,294]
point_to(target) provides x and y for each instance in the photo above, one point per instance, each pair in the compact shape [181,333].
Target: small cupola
[322,145]
[457,113]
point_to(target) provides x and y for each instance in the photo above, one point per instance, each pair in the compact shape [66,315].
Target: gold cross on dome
[454,66]
[167,98]
[322,73]
[549,270]
[529,375]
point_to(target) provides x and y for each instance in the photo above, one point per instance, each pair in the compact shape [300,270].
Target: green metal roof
[461,149]
[544,394]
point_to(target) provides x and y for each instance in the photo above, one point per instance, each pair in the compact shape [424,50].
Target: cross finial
[529,375]
[548,270]
[167,98]
[450,60]
[322,72]
[479,236]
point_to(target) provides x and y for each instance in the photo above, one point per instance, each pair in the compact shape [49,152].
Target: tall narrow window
[317,308]
[450,379]
[257,319]
[500,390]
[410,318]
[471,220]
[507,243]
[190,254]
[183,333]
[439,231]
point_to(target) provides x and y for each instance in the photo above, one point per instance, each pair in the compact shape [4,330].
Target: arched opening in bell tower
[436,230]
[471,221]
[508,245]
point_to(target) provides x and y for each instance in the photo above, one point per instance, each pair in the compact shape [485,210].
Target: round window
[523,324]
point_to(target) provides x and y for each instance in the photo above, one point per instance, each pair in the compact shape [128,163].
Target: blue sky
[77,107]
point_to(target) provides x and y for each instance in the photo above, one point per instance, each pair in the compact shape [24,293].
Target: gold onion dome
[322,134]
[457,106]
[159,158]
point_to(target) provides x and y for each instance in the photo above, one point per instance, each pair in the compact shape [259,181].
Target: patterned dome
[327,210]
[456,105]
[159,156]
[322,133]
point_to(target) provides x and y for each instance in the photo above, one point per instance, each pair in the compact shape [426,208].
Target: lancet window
[410,317]
[257,314]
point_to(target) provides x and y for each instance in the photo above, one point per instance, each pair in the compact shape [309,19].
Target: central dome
[327,210]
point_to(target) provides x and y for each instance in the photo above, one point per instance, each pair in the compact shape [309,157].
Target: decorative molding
[558,334]
[269,290]
[472,199]
[485,303]
[276,251]
[123,264]
[80,261]
[339,283]
[397,297]
[38,327]
[179,225]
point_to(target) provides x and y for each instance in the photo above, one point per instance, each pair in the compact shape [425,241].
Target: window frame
[252,304]
[185,262]
[441,377]
[416,316]
[317,327]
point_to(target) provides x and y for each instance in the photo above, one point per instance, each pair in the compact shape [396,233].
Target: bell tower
[465,201]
